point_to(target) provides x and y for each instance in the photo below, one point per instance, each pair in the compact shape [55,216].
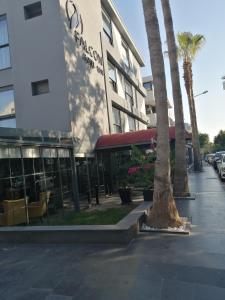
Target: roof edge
[113,12]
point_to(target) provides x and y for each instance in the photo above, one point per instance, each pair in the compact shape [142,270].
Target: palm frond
[189,45]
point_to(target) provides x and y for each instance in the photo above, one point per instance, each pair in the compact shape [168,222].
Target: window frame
[10,116]
[150,85]
[113,82]
[116,126]
[34,88]
[133,121]
[126,48]
[29,6]
[107,17]
[128,96]
[6,45]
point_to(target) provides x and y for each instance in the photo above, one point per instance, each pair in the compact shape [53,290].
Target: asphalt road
[154,266]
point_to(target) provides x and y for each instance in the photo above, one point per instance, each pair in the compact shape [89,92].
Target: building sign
[90,55]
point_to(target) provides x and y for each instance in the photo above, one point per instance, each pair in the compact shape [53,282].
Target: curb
[123,232]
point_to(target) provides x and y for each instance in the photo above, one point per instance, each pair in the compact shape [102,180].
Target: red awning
[142,137]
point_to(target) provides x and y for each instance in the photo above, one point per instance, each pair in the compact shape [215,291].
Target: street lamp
[223,78]
[205,92]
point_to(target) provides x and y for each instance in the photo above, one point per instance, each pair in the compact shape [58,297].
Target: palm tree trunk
[164,212]
[188,79]
[180,187]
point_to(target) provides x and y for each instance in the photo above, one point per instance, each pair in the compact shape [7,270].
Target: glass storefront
[35,182]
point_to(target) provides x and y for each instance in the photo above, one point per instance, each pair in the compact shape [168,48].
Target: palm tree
[180,187]
[189,45]
[164,212]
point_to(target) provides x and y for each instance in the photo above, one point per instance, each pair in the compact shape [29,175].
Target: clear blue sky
[196,16]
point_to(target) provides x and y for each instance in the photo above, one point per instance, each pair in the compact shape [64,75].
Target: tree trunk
[164,213]
[180,187]
[195,139]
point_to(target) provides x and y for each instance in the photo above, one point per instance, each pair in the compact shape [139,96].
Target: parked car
[209,157]
[221,166]
[217,158]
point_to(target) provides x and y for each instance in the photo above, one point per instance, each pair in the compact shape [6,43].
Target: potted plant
[141,175]
[124,189]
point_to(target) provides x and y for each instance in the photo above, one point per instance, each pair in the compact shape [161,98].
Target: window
[125,54]
[40,87]
[4,44]
[153,109]
[7,108]
[128,92]
[148,109]
[116,120]
[148,85]
[107,27]
[32,10]
[132,125]
[112,76]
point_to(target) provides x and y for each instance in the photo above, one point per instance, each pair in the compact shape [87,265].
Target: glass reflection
[7,105]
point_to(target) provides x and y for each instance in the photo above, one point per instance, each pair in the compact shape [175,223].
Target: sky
[197,16]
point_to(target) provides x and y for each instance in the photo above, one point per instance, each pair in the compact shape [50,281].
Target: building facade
[69,65]
[69,73]
[150,105]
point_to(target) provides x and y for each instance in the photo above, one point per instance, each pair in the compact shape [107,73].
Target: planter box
[148,194]
[125,196]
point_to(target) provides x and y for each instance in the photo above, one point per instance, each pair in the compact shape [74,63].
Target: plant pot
[125,195]
[148,194]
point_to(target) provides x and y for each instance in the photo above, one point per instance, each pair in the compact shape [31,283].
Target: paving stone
[158,267]
[58,297]
[207,292]
[177,290]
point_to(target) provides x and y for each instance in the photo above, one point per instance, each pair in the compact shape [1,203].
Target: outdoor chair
[14,212]
[38,209]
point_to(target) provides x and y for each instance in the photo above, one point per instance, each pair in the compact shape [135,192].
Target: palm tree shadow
[86,95]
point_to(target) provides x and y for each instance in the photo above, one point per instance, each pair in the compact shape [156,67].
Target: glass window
[132,125]
[7,105]
[40,87]
[8,123]
[116,120]
[29,156]
[32,10]
[107,27]
[7,108]
[4,162]
[50,159]
[112,76]
[4,44]
[148,85]
[125,54]
[148,109]
[64,159]
[15,161]
[128,92]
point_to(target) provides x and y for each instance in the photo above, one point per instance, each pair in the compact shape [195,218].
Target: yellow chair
[38,209]
[14,212]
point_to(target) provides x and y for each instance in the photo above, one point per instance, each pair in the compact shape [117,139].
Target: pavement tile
[58,297]
[157,267]
[177,290]
[207,292]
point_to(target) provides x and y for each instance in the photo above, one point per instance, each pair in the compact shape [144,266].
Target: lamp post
[205,92]
[197,147]
[223,78]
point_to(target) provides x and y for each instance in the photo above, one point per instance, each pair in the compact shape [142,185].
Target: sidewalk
[153,267]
